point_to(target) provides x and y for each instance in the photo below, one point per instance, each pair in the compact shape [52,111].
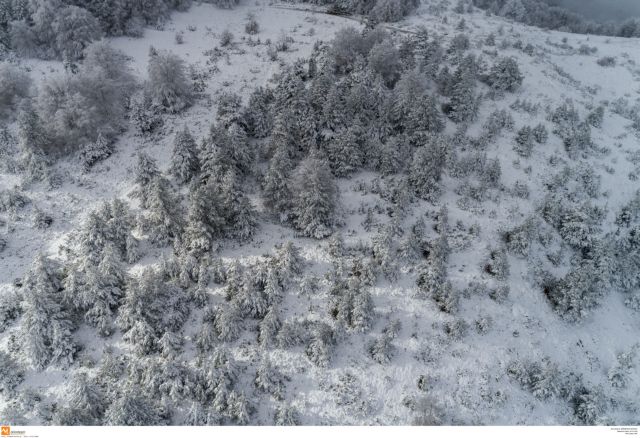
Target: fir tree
[426,168]
[237,209]
[463,104]
[315,199]
[85,402]
[276,190]
[257,116]
[205,220]
[146,171]
[47,323]
[345,151]
[132,408]
[505,75]
[269,380]
[269,327]
[289,263]
[184,161]
[162,221]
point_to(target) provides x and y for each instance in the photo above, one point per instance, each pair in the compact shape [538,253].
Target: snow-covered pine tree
[463,104]
[257,116]
[286,415]
[133,408]
[276,187]
[289,263]
[146,171]
[381,350]
[524,141]
[241,149]
[184,160]
[205,220]
[85,402]
[229,109]
[426,168]
[315,199]
[47,326]
[104,291]
[269,327]
[269,379]
[229,322]
[345,151]
[321,346]
[238,212]
[424,116]
[216,156]
[505,75]
[163,220]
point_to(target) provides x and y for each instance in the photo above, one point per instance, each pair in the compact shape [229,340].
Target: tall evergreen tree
[162,221]
[237,209]
[315,199]
[146,171]
[205,220]
[184,161]
[47,327]
[276,190]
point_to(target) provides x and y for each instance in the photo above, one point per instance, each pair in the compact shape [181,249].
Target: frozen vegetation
[351,212]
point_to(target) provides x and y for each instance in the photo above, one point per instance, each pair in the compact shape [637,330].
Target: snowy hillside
[283,216]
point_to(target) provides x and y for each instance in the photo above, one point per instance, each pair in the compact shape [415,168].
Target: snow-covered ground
[467,376]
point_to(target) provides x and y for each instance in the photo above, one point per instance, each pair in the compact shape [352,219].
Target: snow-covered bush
[12,375]
[497,121]
[54,30]
[168,84]
[542,379]
[14,86]
[540,133]
[391,10]
[76,109]
[575,295]
[497,264]
[518,239]
[524,142]
[384,59]
[607,61]
[596,117]
[226,38]
[10,309]
[95,151]
[251,26]
[349,44]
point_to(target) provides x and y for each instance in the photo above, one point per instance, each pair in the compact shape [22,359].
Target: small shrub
[607,61]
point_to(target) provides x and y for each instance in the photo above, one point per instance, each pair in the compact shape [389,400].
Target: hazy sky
[604,9]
